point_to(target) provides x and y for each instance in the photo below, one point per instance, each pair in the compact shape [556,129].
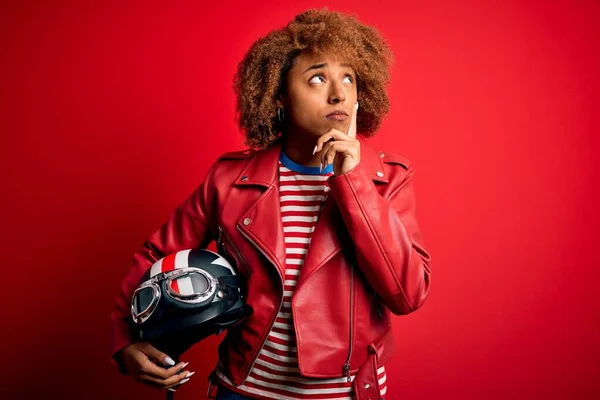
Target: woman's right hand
[152,367]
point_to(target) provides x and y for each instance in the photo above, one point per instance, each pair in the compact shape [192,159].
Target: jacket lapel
[261,223]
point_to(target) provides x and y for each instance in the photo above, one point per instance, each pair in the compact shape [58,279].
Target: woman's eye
[347,79]
[317,79]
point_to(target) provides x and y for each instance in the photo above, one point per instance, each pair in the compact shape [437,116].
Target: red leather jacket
[366,259]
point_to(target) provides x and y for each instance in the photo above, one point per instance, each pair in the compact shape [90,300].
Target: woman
[321,225]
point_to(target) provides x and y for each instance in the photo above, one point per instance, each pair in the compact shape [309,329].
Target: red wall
[111,114]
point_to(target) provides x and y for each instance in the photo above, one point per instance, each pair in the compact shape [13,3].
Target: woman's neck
[299,148]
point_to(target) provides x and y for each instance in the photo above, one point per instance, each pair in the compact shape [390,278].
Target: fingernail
[184,365]
[184,381]
[320,168]
[190,374]
[169,361]
[172,390]
[315,150]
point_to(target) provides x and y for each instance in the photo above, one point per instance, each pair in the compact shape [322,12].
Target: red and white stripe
[170,262]
[180,259]
[275,374]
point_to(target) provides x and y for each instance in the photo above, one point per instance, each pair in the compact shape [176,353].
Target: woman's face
[320,94]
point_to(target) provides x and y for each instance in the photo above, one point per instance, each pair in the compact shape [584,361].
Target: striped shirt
[275,374]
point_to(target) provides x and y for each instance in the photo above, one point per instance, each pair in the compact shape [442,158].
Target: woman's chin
[339,125]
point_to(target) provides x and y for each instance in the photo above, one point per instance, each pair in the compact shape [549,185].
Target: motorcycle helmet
[185,297]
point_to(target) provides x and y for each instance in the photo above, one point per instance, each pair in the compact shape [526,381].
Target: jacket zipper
[278,308]
[237,255]
[346,367]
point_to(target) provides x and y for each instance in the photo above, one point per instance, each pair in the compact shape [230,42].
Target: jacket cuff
[340,184]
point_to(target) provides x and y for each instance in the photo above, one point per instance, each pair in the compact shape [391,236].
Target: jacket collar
[262,169]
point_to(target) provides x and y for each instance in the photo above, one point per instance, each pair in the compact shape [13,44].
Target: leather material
[368,221]
[365,383]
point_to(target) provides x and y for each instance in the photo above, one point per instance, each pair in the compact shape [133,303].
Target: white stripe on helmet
[156,268]
[181,259]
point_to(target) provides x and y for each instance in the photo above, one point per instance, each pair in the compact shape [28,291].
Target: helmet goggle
[188,285]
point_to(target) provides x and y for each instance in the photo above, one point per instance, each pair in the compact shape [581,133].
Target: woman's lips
[337,117]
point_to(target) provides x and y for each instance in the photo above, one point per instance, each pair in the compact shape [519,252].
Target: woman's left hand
[343,151]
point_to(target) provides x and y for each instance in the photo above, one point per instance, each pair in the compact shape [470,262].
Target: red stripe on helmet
[168,263]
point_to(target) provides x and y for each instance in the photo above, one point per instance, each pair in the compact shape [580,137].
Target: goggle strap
[230,280]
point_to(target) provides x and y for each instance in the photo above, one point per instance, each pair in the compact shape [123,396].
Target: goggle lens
[143,300]
[191,284]
[184,285]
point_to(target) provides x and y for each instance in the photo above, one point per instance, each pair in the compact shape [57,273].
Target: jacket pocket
[231,254]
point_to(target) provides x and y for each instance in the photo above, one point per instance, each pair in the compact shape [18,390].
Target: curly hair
[260,78]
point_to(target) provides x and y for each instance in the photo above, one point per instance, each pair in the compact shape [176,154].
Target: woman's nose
[336,93]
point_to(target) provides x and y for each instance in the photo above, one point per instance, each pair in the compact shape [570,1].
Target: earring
[280,114]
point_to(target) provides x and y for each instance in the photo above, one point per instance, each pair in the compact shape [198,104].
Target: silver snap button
[381,154]
[244,178]
[380,174]
[367,386]
[247,221]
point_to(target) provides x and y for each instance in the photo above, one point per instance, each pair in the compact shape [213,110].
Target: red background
[111,114]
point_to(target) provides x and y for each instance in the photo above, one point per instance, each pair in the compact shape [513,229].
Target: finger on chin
[352,127]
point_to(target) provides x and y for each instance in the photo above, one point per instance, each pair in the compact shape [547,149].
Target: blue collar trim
[302,168]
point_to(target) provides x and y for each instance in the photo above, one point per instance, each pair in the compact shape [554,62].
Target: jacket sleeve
[186,227]
[389,246]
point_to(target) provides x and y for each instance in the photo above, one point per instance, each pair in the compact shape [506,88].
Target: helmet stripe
[156,268]
[181,259]
[168,263]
